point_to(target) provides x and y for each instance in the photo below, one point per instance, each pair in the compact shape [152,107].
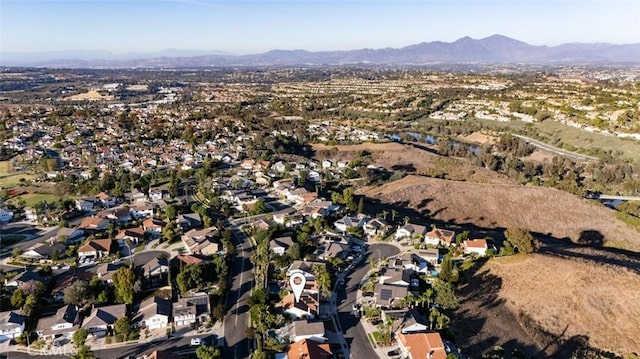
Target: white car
[196,341]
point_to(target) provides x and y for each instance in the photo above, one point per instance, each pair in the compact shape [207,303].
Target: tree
[461,237]
[123,327]
[79,337]
[17,298]
[448,270]
[76,293]
[123,282]
[30,305]
[83,352]
[445,294]
[521,239]
[360,205]
[322,278]
[208,352]
[294,251]
[170,211]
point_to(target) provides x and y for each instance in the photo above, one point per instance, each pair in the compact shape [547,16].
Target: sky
[242,27]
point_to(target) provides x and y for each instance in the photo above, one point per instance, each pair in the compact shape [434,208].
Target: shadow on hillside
[474,331]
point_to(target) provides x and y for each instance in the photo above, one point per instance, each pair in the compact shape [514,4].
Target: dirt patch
[480,138]
[543,210]
[540,156]
[413,160]
[572,298]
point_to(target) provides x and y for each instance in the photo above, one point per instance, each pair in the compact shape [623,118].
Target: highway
[353,331]
[241,283]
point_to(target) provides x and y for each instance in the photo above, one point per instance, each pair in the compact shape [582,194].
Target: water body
[432,140]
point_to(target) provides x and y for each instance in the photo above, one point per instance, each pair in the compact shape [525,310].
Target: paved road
[235,322]
[558,151]
[178,345]
[354,332]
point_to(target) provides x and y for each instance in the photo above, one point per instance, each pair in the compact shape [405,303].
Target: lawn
[32,199]
[10,179]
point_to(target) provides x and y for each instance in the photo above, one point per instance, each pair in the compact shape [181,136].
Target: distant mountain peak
[496,48]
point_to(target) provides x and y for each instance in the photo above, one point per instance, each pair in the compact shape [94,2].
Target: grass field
[33,198]
[10,179]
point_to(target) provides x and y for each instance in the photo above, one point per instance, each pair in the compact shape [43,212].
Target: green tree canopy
[445,294]
[123,282]
[521,239]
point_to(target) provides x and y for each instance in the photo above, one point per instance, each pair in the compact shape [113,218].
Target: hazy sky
[239,26]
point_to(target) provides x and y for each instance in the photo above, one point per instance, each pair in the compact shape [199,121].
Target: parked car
[196,341]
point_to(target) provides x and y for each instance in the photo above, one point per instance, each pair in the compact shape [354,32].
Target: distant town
[161,213]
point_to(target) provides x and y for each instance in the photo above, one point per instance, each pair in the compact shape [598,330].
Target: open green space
[32,199]
[570,138]
[10,179]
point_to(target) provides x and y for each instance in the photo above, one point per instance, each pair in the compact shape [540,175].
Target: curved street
[355,336]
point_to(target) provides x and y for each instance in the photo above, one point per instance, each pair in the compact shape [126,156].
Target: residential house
[42,251]
[106,200]
[153,313]
[6,215]
[191,310]
[189,221]
[406,321]
[306,307]
[201,241]
[86,204]
[475,246]
[181,260]
[120,215]
[280,245]
[156,194]
[388,295]
[134,236]
[279,167]
[138,196]
[156,270]
[302,329]
[439,236]
[395,276]
[376,227]
[153,226]
[314,176]
[333,249]
[430,255]
[96,248]
[60,325]
[11,325]
[305,267]
[344,223]
[410,230]
[24,278]
[101,320]
[93,224]
[106,271]
[142,210]
[289,221]
[421,345]
[69,235]
[309,349]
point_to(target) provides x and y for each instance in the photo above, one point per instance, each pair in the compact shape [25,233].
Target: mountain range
[496,49]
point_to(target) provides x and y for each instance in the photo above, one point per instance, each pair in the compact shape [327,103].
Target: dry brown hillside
[397,156]
[551,304]
[539,209]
